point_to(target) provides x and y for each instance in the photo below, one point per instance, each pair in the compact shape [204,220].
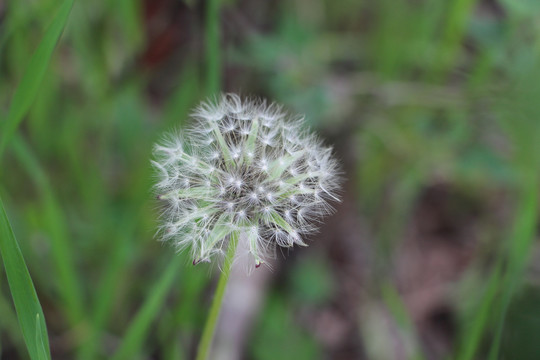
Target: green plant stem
[522,240]
[210,326]
[213,67]
[140,325]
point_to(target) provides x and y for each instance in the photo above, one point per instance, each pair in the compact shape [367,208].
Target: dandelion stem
[210,326]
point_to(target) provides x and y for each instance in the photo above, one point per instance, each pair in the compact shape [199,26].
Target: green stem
[210,326]
[522,241]
[213,67]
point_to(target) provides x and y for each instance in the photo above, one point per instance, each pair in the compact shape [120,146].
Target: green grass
[140,326]
[68,280]
[35,71]
[416,94]
[29,312]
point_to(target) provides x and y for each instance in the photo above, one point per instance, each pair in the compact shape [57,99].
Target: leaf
[472,337]
[56,227]
[23,292]
[33,75]
[139,327]
[27,306]
[42,351]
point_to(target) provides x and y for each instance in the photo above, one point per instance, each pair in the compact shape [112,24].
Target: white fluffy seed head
[247,167]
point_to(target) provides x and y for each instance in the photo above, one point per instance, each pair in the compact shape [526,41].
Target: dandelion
[245,170]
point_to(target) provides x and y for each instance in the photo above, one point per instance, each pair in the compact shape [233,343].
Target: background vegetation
[432,105]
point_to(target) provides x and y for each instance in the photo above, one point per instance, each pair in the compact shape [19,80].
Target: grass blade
[40,342]
[522,241]
[213,58]
[472,336]
[23,292]
[35,71]
[63,254]
[114,274]
[400,314]
[140,326]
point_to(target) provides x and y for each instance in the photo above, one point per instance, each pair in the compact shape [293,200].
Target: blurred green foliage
[270,341]
[412,93]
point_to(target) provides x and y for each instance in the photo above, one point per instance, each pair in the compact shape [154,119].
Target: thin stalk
[61,247]
[213,67]
[140,325]
[210,326]
[522,240]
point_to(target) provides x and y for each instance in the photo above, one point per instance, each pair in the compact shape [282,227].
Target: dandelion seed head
[244,166]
